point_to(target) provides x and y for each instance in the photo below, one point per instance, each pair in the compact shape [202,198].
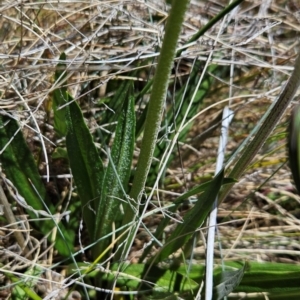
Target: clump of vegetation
[131,133]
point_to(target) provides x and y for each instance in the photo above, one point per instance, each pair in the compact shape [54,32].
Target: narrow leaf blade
[166,220]
[193,219]
[20,168]
[115,183]
[85,163]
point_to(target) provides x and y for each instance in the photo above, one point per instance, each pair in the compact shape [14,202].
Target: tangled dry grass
[104,41]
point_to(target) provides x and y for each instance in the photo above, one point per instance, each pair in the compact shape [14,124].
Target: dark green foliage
[294,145]
[102,191]
[20,168]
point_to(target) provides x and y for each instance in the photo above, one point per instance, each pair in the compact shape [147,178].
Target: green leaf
[278,280]
[23,290]
[165,221]
[132,273]
[85,163]
[19,165]
[271,278]
[116,105]
[60,153]
[294,145]
[192,220]
[115,184]
[20,168]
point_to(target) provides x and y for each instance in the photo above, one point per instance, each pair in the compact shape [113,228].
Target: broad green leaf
[115,184]
[85,163]
[192,220]
[294,145]
[271,277]
[20,168]
[278,280]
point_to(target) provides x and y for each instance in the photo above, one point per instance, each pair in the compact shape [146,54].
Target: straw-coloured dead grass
[103,41]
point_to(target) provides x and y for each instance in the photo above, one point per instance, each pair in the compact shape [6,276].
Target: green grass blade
[115,184]
[20,168]
[266,126]
[192,220]
[212,22]
[165,221]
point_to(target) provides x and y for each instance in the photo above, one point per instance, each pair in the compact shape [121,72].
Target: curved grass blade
[165,221]
[265,127]
[20,168]
[192,220]
[111,208]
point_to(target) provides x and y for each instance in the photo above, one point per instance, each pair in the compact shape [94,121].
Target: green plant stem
[197,35]
[211,23]
[267,126]
[156,102]
[158,95]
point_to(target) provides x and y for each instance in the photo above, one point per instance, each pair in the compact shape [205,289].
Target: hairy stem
[156,104]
